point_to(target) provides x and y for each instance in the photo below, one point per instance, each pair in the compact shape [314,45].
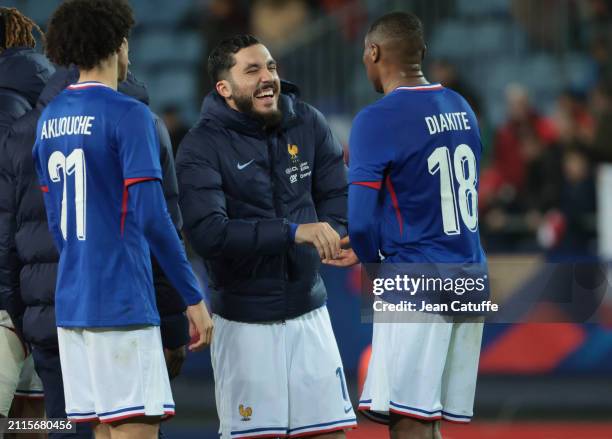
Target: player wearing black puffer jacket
[23,74]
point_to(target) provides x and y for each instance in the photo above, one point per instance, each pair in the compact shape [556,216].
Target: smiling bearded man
[263,193]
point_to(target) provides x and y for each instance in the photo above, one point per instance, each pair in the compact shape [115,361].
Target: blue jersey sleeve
[371,150]
[138,144]
[363,223]
[149,206]
[371,154]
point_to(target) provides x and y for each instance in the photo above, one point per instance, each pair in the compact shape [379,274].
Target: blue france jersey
[91,143]
[420,146]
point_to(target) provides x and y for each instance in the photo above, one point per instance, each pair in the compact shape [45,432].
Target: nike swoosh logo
[346,410]
[241,167]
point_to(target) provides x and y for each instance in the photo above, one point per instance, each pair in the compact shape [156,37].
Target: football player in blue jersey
[97,158]
[414,160]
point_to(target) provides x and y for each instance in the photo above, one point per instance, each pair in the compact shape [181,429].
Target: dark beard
[268,120]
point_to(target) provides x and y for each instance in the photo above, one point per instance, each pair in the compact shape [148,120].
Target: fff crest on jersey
[245,412]
[293,152]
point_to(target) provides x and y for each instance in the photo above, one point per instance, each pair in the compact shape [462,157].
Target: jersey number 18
[467,197]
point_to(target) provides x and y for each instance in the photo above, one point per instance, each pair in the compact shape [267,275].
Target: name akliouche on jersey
[67,126]
[439,123]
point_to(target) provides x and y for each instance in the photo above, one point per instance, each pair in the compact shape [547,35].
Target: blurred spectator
[516,141]
[177,128]
[277,22]
[569,228]
[523,182]
[217,19]
[573,119]
[540,191]
[542,182]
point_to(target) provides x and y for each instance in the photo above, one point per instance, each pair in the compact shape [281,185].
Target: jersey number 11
[60,167]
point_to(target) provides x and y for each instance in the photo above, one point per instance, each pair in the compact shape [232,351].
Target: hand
[174,360]
[320,235]
[200,326]
[346,258]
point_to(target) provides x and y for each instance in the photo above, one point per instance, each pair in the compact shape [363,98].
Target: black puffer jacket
[27,246]
[241,186]
[27,254]
[23,74]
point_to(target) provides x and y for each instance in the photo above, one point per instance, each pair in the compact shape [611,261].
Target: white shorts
[30,386]
[279,379]
[114,373]
[17,374]
[424,370]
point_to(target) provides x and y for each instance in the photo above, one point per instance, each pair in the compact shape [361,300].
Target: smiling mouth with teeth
[266,93]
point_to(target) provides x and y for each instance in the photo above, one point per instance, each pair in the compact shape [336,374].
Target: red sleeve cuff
[44,188]
[371,184]
[130,181]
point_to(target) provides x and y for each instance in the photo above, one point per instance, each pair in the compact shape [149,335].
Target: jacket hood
[134,88]
[62,78]
[26,71]
[215,108]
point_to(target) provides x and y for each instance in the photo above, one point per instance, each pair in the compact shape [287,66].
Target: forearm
[217,236]
[153,218]
[363,225]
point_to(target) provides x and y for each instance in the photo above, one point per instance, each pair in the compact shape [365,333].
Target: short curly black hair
[221,59]
[405,29]
[85,32]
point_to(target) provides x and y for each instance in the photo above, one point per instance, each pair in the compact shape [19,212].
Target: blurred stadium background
[539,75]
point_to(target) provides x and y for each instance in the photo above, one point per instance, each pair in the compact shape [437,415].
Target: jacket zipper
[272,143]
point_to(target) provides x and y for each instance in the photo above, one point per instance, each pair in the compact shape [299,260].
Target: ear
[124,45]
[224,88]
[374,52]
